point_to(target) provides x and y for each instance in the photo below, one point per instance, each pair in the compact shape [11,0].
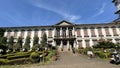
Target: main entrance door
[65,45]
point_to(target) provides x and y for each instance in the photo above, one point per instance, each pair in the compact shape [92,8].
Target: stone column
[61,32]
[54,43]
[73,31]
[5,34]
[68,45]
[54,33]
[67,32]
[32,36]
[74,45]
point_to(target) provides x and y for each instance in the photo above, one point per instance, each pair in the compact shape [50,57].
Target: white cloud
[100,11]
[59,10]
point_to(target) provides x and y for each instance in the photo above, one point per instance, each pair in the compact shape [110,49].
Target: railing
[73,36]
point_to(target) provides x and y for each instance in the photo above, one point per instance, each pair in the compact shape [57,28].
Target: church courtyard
[70,60]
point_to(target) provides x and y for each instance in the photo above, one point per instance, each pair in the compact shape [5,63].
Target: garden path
[70,60]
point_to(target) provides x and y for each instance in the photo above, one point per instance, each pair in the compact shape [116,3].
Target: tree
[105,44]
[1,32]
[35,47]
[3,46]
[35,43]
[27,44]
[3,40]
[36,40]
[44,40]
[10,43]
[18,45]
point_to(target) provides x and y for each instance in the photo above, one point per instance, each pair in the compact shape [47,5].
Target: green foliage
[3,61]
[10,43]
[50,54]
[100,54]
[44,40]
[18,61]
[36,40]
[18,56]
[2,32]
[15,58]
[35,47]
[4,48]
[27,44]
[105,44]
[3,40]
[34,57]
[18,45]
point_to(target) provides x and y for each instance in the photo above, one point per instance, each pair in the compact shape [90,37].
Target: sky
[14,13]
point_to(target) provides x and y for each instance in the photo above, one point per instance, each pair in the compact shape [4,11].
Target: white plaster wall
[18,33]
[104,32]
[91,42]
[111,32]
[96,32]
[12,33]
[5,34]
[82,32]
[32,36]
[89,32]
[39,35]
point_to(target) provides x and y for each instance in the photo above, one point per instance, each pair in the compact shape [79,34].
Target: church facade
[68,35]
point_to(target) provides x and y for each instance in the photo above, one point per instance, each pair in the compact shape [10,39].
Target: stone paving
[69,60]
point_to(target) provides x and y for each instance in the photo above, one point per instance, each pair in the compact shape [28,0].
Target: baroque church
[70,35]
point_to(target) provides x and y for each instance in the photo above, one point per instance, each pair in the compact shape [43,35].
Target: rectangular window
[50,33]
[15,34]
[100,32]
[29,33]
[36,33]
[93,32]
[86,33]
[78,32]
[87,43]
[94,41]
[42,33]
[8,34]
[79,43]
[22,34]
[117,41]
[114,32]
[107,32]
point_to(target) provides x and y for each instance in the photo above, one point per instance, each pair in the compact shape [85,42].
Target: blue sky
[49,12]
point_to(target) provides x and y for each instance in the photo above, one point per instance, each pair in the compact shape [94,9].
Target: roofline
[111,23]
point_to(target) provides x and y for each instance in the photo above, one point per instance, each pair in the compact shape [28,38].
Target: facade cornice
[49,26]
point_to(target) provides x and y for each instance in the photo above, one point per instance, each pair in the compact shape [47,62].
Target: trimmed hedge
[34,57]
[18,61]
[15,61]
[18,56]
[3,61]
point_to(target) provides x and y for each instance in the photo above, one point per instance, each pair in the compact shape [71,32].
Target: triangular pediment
[63,23]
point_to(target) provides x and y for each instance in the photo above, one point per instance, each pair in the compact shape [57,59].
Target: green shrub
[34,57]
[3,61]
[18,56]
[51,53]
[100,54]
[18,61]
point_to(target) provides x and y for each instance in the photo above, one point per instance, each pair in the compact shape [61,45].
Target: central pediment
[64,23]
